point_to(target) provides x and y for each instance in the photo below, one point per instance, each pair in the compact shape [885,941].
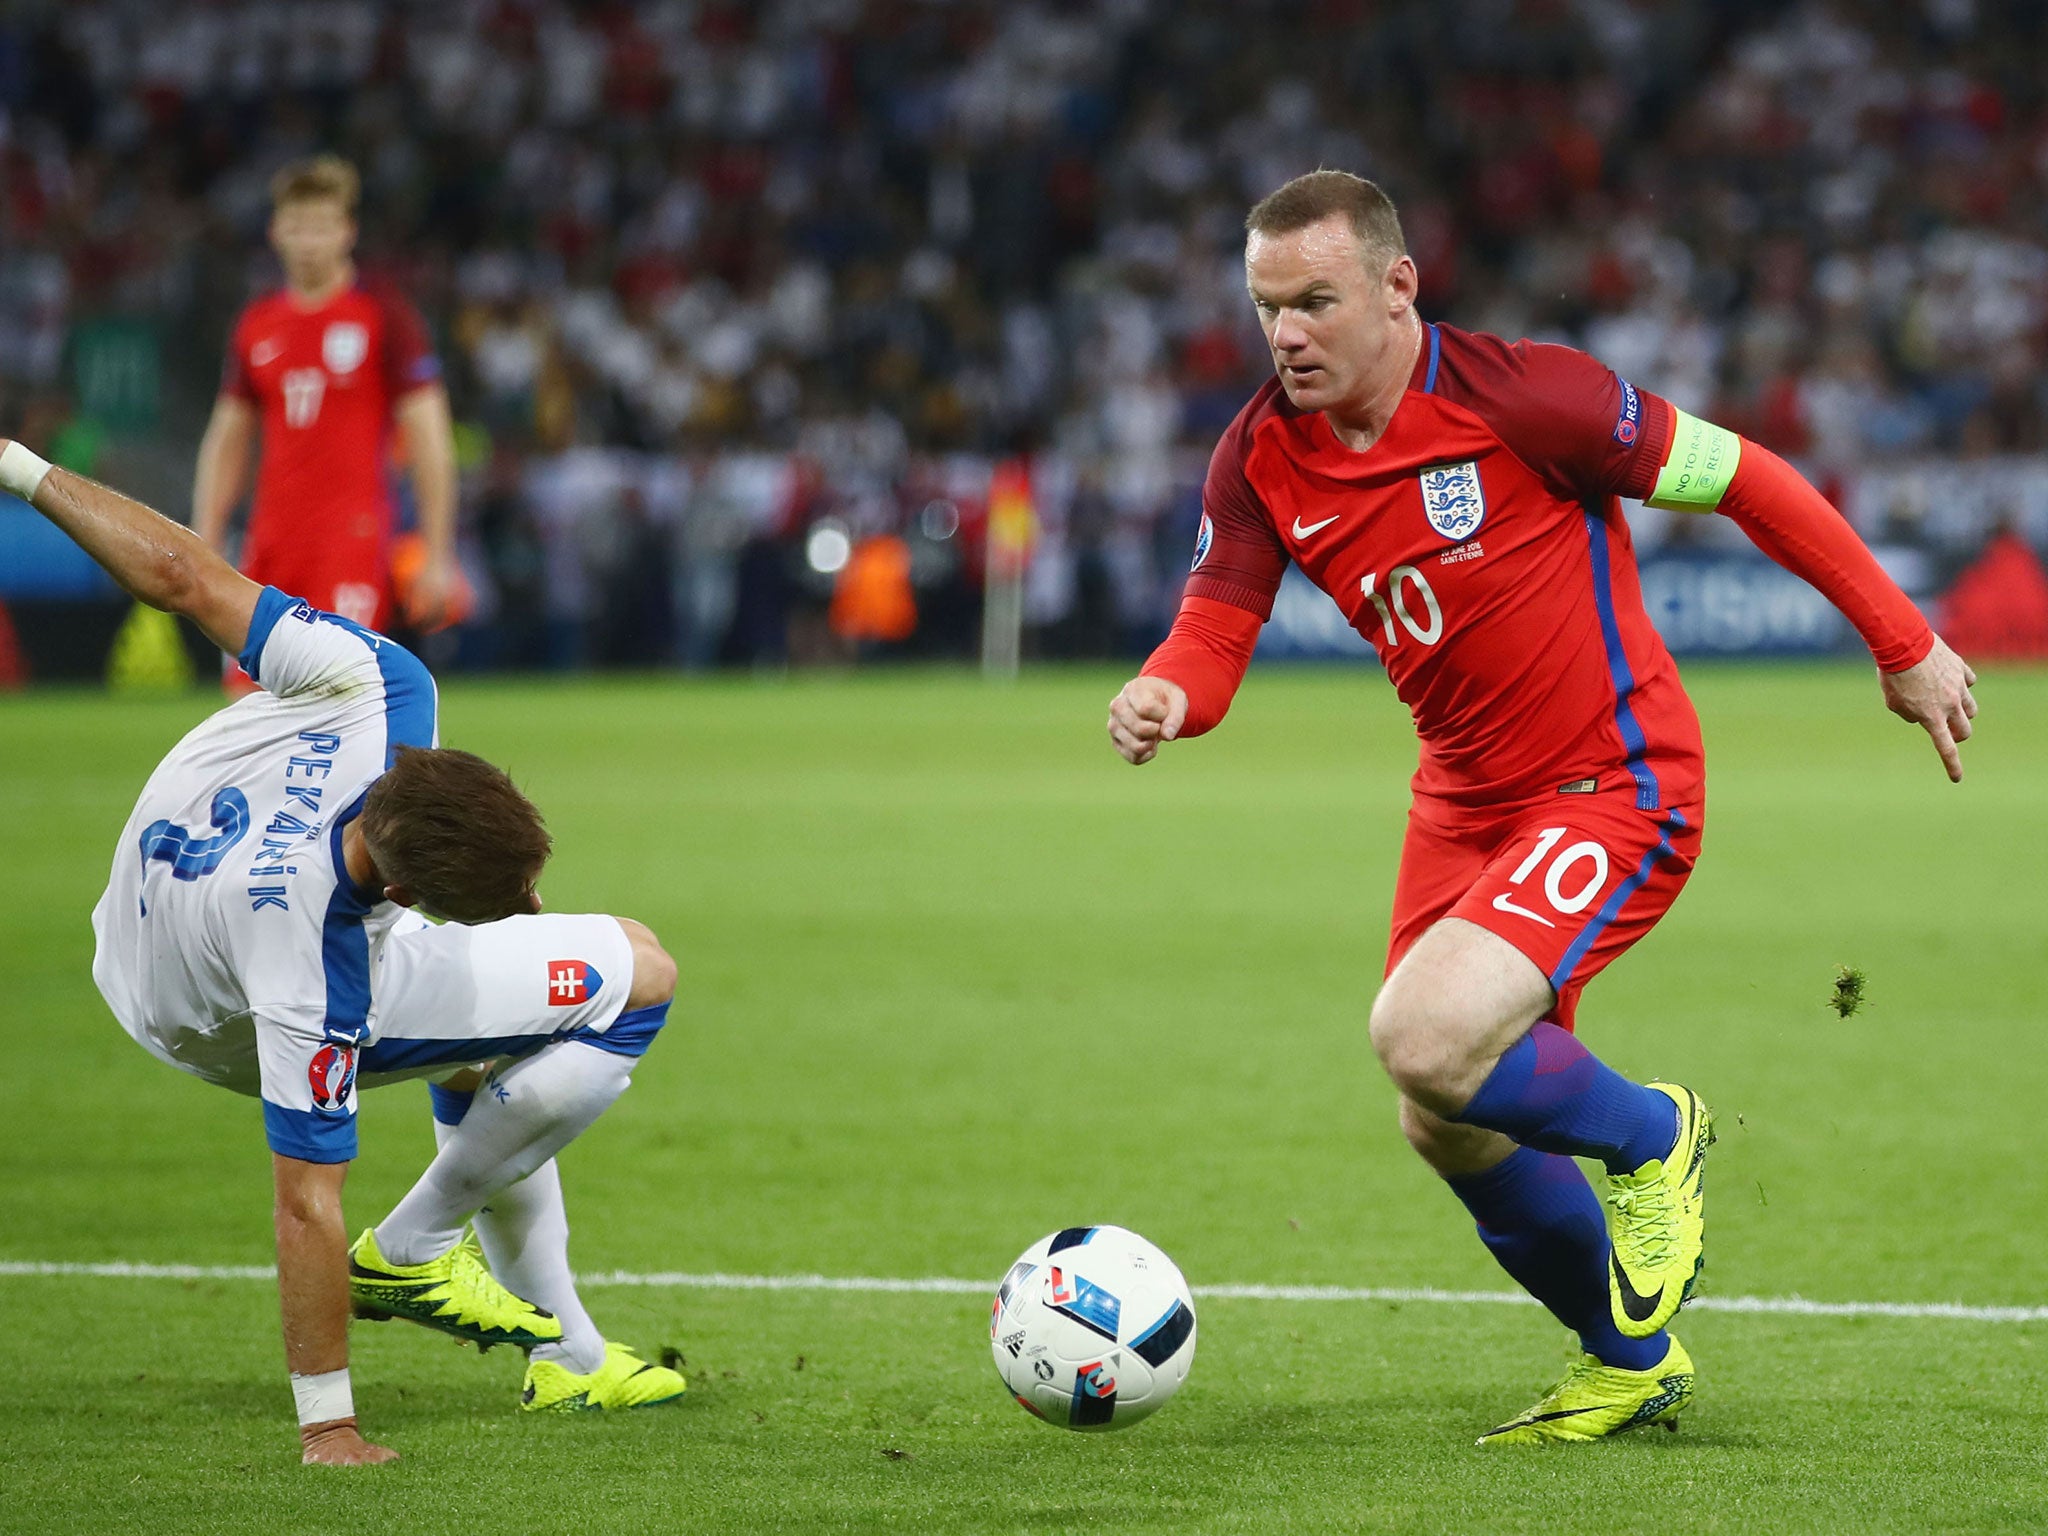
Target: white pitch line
[1795,1306]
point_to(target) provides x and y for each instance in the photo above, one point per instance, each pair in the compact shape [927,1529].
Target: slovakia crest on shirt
[344,346]
[1453,499]
[571,982]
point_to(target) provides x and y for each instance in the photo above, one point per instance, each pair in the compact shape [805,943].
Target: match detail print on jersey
[1696,473]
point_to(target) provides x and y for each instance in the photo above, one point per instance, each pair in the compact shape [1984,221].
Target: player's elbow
[176,580]
[654,969]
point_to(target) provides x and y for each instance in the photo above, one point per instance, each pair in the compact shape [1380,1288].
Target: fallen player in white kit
[256,931]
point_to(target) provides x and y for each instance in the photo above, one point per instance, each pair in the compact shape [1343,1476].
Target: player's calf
[1453,1150]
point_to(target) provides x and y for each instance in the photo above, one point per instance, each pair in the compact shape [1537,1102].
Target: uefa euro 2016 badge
[330,1074]
[1453,500]
[344,346]
[1202,542]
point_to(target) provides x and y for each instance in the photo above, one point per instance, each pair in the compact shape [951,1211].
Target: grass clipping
[1848,994]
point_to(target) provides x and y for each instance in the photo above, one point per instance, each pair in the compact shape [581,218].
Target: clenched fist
[1150,710]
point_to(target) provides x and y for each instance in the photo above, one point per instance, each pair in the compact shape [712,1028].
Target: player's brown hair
[319,178]
[1314,197]
[456,832]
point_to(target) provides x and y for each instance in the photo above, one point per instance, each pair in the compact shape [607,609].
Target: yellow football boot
[454,1294]
[623,1381]
[1595,1401]
[1658,1224]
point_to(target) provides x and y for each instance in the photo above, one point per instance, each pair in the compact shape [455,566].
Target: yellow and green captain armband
[1698,467]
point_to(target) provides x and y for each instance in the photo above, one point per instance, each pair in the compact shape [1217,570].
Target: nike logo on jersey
[1301,533]
[1505,903]
[265,352]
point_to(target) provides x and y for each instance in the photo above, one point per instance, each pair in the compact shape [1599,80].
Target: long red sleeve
[1792,523]
[1206,652]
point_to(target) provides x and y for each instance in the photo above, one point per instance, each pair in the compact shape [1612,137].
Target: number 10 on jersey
[1394,604]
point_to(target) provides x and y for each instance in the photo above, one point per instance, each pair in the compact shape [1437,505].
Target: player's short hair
[1314,197]
[320,178]
[456,832]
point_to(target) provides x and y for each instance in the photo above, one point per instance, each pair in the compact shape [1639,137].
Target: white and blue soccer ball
[1093,1328]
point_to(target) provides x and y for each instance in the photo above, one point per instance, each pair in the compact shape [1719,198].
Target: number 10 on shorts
[1574,877]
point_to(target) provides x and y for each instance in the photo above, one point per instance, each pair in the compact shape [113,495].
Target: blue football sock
[1549,1092]
[1540,1218]
[450,1104]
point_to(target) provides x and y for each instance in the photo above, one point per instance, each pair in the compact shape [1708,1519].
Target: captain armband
[1697,469]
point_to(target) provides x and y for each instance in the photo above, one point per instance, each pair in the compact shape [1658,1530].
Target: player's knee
[1416,1047]
[654,969]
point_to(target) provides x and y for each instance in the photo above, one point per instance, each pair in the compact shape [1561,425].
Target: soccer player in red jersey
[1458,496]
[328,365]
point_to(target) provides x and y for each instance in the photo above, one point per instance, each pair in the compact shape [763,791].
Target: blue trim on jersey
[630,1034]
[1649,796]
[1435,356]
[309,1135]
[1611,908]
[410,700]
[271,605]
[344,947]
[450,1104]
[407,1055]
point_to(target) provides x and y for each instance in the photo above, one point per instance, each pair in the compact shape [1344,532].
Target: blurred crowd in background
[709,278]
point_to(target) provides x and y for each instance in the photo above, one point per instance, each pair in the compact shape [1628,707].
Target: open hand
[1150,710]
[1935,694]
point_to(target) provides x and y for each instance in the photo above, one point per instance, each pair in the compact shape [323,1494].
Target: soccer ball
[1093,1328]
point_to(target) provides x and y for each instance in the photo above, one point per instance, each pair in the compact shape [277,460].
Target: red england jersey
[325,381]
[1479,545]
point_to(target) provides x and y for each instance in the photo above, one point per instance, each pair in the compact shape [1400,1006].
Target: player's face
[1338,328]
[312,237]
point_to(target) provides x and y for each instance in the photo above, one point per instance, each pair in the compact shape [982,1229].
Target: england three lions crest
[1453,500]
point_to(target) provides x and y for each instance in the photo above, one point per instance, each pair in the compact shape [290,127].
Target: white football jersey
[230,941]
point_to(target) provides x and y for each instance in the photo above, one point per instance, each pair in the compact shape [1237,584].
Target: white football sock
[522,1116]
[525,1233]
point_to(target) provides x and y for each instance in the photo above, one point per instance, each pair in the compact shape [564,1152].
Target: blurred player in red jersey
[1458,496]
[328,365]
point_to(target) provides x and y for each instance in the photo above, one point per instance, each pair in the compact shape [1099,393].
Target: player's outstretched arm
[1709,468]
[1148,713]
[161,563]
[312,1288]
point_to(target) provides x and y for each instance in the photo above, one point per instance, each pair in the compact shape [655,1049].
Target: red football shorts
[1571,882]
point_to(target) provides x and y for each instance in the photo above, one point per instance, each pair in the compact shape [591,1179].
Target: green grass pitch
[953,976]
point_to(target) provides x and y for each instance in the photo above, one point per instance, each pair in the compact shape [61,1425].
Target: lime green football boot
[455,1294]
[1658,1224]
[623,1381]
[1595,1401]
